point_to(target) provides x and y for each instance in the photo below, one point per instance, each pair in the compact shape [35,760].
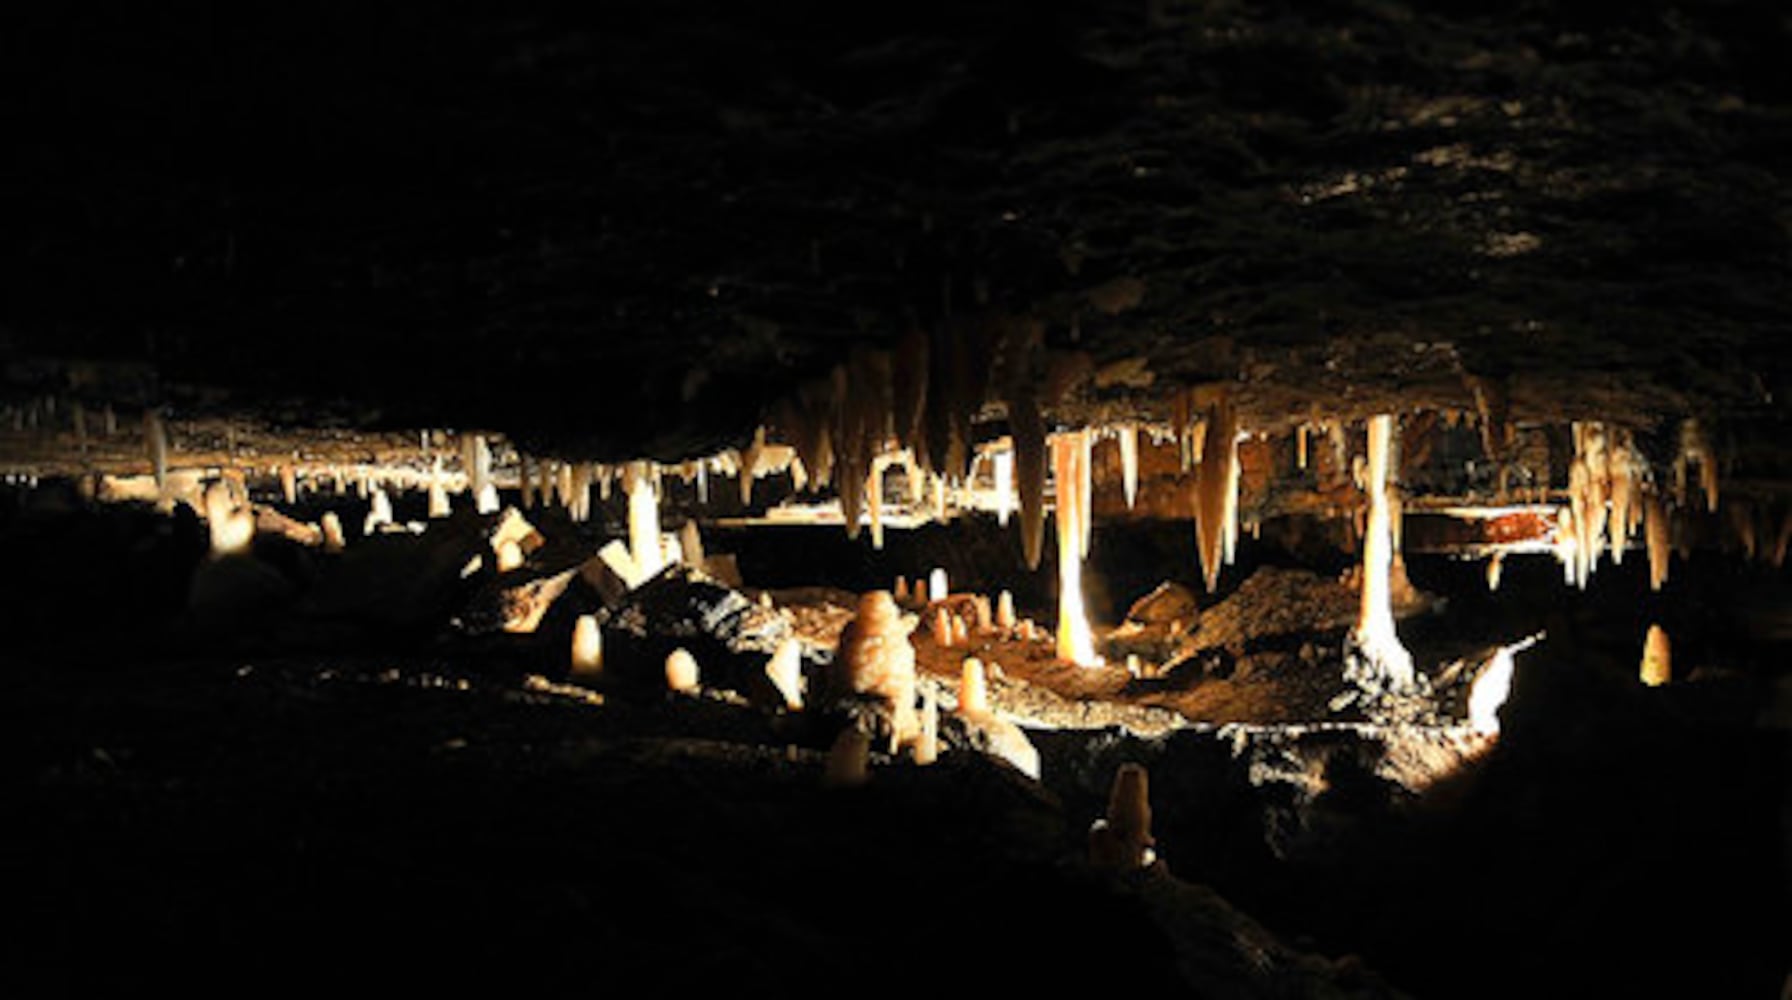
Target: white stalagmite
[1001,466]
[682,674]
[379,511]
[331,525]
[1005,619]
[231,524]
[1129,462]
[1374,652]
[1658,658]
[1070,460]
[973,688]
[936,584]
[587,647]
[643,520]
[488,499]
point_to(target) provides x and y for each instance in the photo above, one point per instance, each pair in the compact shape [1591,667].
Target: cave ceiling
[626,229]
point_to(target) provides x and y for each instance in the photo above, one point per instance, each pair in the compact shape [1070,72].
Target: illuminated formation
[1128,435]
[875,658]
[785,671]
[643,520]
[230,521]
[1070,472]
[587,647]
[1216,491]
[1122,839]
[1374,653]
[1658,658]
[681,671]
[1003,739]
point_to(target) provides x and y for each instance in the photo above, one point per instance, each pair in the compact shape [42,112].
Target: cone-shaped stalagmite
[587,647]
[1658,658]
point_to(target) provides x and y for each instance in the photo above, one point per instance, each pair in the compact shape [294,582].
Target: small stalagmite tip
[681,671]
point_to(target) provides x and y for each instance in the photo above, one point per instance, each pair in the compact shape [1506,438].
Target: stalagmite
[961,632]
[1658,658]
[682,674]
[488,499]
[921,593]
[1373,652]
[331,526]
[1122,839]
[289,483]
[785,671]
[1300,446]
[231,525]
[936,584]
[1216,490]
[1656,536]
[1029,469]
[643,520]
[901,589]
[587,647]
[927,745]
[379,511]
[875,657]
[849,760]
[1005,611]
[1070,458]
[1129,462]
[941,627]
[1001,466]
[973,688]
[985,619]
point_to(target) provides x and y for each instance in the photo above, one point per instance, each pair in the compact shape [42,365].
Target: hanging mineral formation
[1001,466]
[1029,468]
[643,520]
[1129,462]
[1656,536]
[1216,490]
[1373,652]
[1070,462]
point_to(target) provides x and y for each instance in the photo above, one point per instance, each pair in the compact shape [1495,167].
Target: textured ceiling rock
[626,231]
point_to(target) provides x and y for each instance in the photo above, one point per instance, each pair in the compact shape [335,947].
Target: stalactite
[643,520]
[1216,482]
[909,389]
[1002,473]
[1070,459]
[1657,535]
[749,467]
[1374,653]
[1029,468]
[1695,448]
[155,440]
[690,543]
[874,502]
